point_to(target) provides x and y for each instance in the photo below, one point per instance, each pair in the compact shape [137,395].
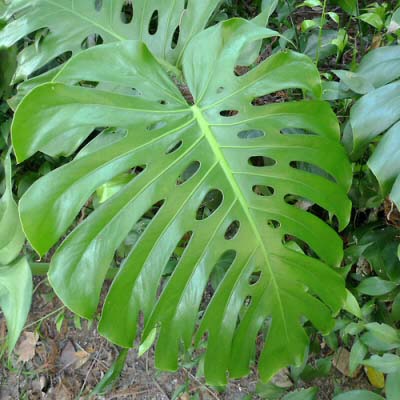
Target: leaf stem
[321,25]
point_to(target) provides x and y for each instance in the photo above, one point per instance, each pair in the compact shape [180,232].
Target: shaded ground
[68,362]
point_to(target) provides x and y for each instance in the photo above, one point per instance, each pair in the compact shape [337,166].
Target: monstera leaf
[223,175]
[165,26]
[69,26]
[377,112]
[15,276]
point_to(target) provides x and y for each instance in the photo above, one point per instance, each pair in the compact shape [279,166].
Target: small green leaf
[111,375]
[15,297]
[376,286]
[269,391]
[59,321]
[304,394]
[372,19]
[387,364]
[148,342]
[308,24]
[371,341]
[341,41]
[350,6]
[334,17]
[394,25]
[392,387]
[358,395]
[351,305]
[356,82]
[385,334]
[77,322]
[357,354]
[396,308]
[311,3]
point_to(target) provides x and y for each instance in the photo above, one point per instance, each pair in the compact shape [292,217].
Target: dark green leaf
[376,286]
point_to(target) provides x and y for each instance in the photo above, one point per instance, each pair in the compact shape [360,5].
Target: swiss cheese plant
[221,174]
[69,26]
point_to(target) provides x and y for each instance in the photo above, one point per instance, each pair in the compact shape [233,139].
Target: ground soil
[68,363]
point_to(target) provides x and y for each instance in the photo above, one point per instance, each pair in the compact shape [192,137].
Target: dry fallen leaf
[72,358]
[376,378]
[26,347]
[341,362]
[61,392]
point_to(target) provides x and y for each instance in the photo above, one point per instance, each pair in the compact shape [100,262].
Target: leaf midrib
[205,128]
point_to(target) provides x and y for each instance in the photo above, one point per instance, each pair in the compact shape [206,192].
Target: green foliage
[75,25]
[377,112]
[203,197]
[239,160]
[358,395]
[15,277]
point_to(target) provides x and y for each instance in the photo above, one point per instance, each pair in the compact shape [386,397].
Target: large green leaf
[7,68]
[238,159]
[71,22]
[165,26]
[11,235]
[377,112]
[15,297]
[15,278]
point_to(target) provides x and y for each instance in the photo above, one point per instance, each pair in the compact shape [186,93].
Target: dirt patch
[69,358]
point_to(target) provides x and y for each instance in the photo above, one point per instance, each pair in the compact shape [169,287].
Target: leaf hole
[127,12]
[175,37]
[174,147]
[136,92]
[296,131]
[163,102]
[218,272]
[153,24]
[98,5]
[229,113]
[254,277]
[177,253]
[210,204]
[276,97]
[137,231]
[91,41]
[156,126]
[298,202]
[312,169]
[251,134]
[263,190]
[137,170]
[247,301]
[88,84]
[295,244]
[260,161]
[220,90]
[188,173]
[273,223]
[232,230]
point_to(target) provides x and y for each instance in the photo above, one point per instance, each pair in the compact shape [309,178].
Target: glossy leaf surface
[15,277]
[377,112]
[165,26]
[225,153]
